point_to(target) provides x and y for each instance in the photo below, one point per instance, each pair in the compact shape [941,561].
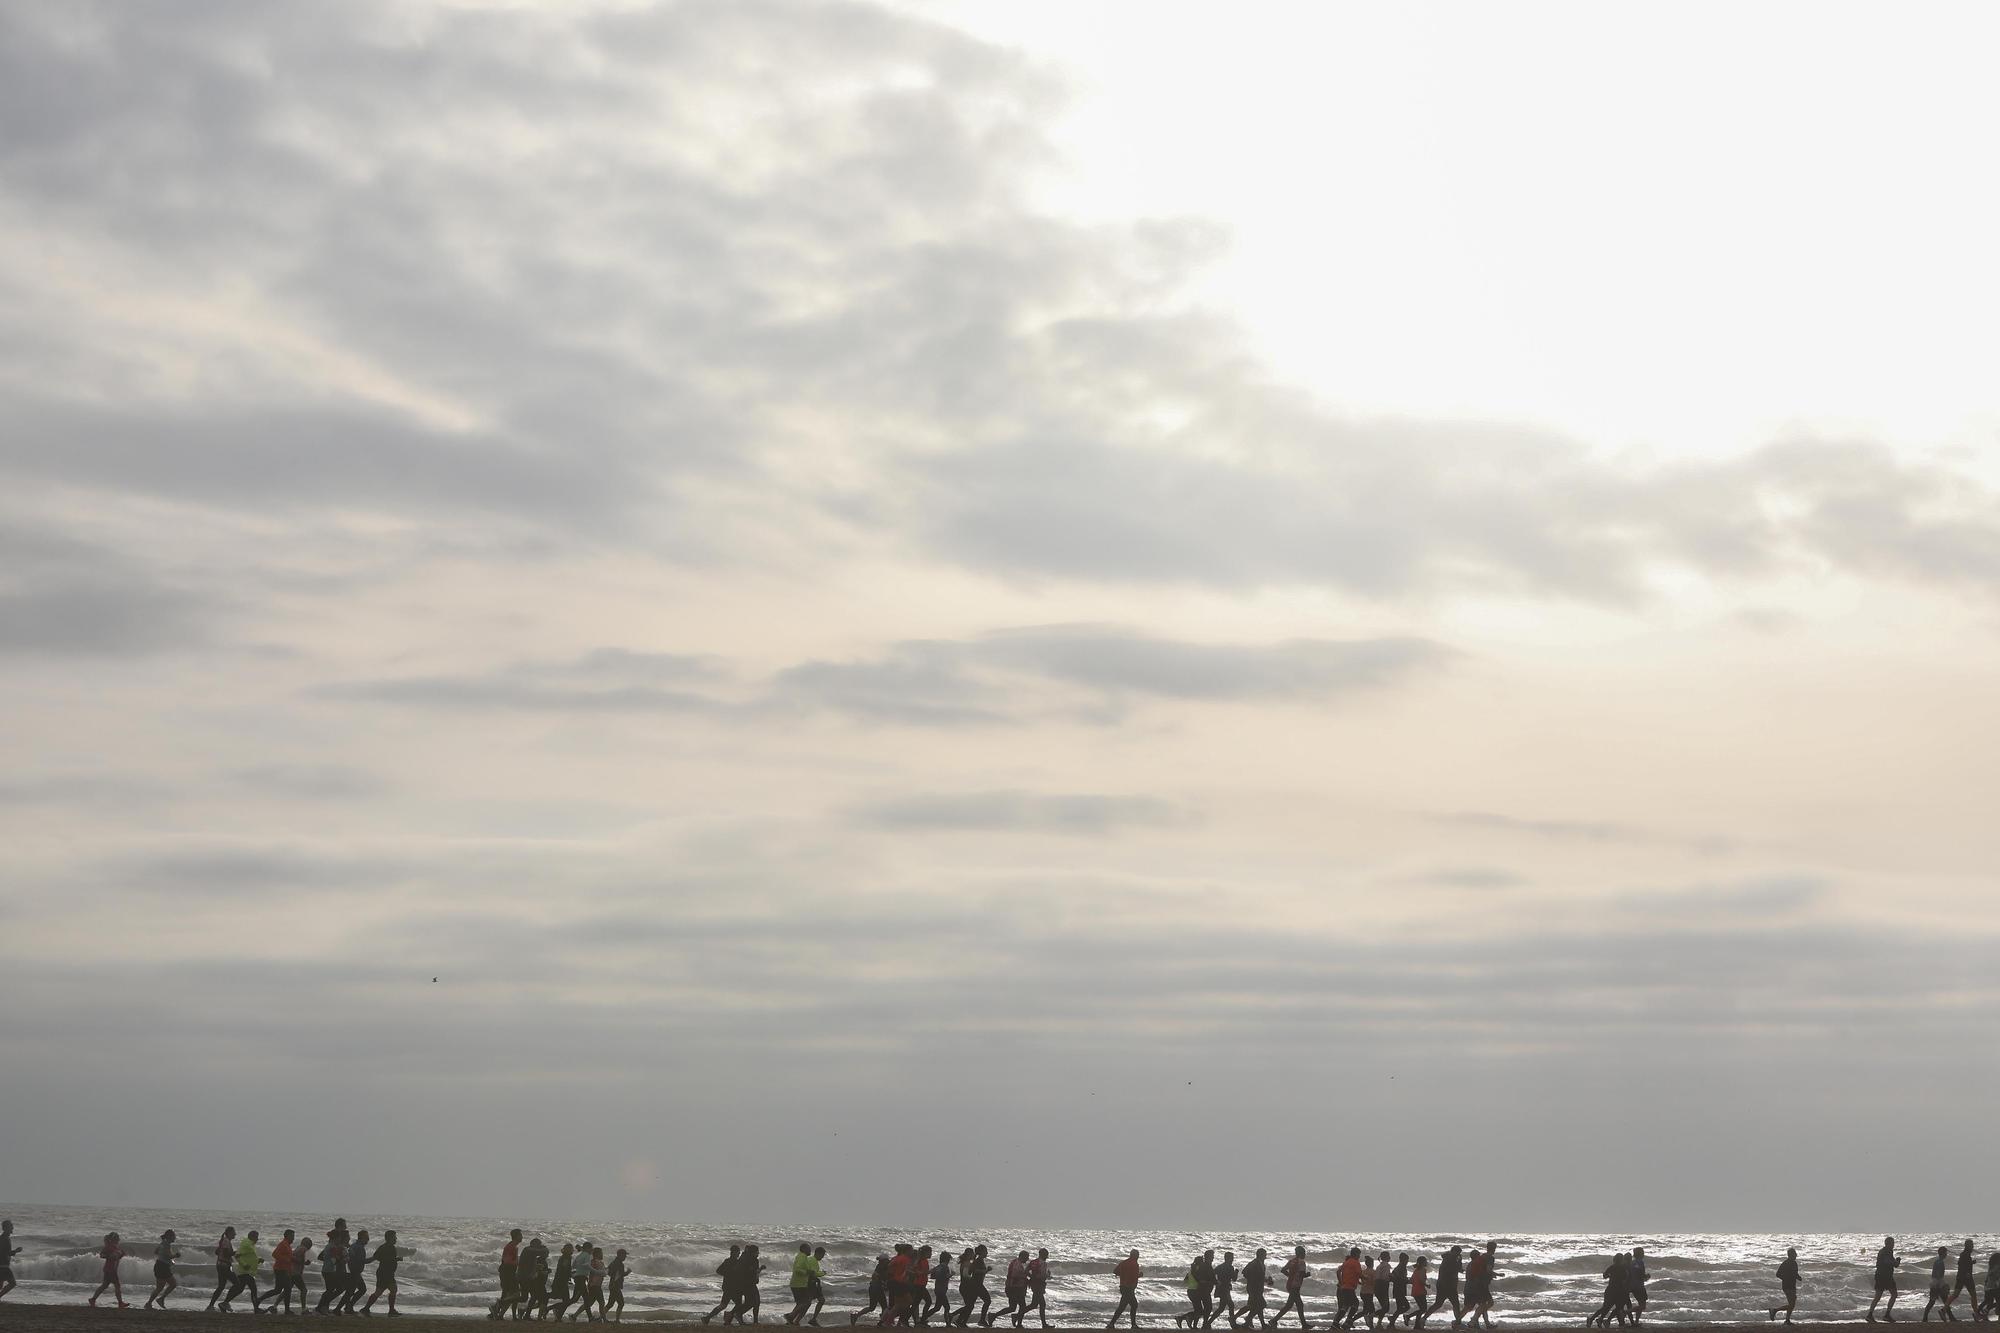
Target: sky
[1028,614]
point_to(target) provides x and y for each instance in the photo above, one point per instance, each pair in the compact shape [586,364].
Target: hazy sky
[1023,613]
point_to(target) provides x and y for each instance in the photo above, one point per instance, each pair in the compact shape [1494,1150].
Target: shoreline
[23,1317]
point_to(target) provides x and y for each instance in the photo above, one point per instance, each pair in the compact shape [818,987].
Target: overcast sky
[1019,613]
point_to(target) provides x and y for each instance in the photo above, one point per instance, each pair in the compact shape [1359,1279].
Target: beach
[77,1319]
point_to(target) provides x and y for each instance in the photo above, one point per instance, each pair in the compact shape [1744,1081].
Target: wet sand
[16,1318]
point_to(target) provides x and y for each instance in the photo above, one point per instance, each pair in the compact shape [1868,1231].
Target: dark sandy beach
[77,1319]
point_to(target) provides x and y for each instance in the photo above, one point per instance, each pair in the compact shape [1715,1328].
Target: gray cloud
[312,782]
[63,597]
[80,788]
[1100,669]
[1075,672]
[1582,830]
[1020,812]
[608,680]
[636,309]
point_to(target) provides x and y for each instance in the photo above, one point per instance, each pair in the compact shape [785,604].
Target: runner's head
[515,1235]
[288,1233]
[1260,1253]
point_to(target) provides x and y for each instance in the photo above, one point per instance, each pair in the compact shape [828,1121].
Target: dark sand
[80,1319]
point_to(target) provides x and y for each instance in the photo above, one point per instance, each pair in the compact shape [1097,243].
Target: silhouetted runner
[1129,1273]
[1399,1286]
[1295,1271]
[878,1290]
[332,1266]
[385,1260]
[615,1276]
[940,1298]
[1886,1264]
[1479,1277]
[726,1270]
[1420,1285]
[1448,1268]
[1967,1266]
[1255,1279]
[1200,1277]
[1617,1292]
[357,1273]
[8,1249]
[164,1281]
[972,1288]
[1788,1282]
[225,1265]
[1038,1285]
[1221,1298]
[1016,1289]
[1940,1285]
[1638,1283]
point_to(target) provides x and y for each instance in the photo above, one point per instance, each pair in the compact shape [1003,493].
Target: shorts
[385,1279]
[1417,1292]
[1884,1282]
[162,1270]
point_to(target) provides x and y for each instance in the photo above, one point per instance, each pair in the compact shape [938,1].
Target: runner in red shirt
[1350,1290]
[1295,1272]
[1129,1274]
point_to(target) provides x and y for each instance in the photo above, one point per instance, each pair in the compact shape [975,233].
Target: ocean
[1694,1279]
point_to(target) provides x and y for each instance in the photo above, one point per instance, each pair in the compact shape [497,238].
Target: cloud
[1583,830]
[312,782]
[1087,673]
[63,597]
[466,286]
[1095,671]
[1081,814]
[80,789]
[608,680]
[1784,895]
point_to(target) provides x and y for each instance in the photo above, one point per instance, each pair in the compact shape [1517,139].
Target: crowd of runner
[913,1285]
